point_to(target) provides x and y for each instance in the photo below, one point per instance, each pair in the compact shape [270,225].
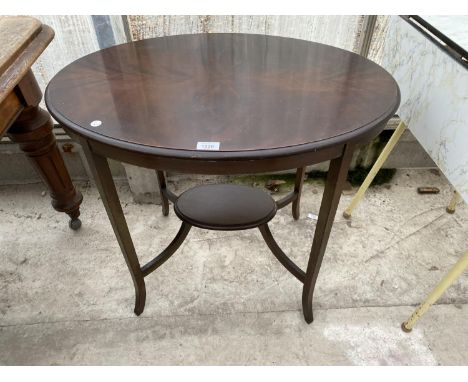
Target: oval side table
[223,104]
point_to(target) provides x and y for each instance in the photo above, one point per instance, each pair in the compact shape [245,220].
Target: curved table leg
[294,196]
[168,252]
[300,173]
[330,199]
[162,189]
[105,184]
[279,254]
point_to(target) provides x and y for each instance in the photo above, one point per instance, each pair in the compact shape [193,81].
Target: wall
[378,39]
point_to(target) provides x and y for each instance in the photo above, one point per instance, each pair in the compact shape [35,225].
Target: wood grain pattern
[32,130]
[225,207]
[15,35]
[9,109]
[75,36]
[23,52]
[251,93]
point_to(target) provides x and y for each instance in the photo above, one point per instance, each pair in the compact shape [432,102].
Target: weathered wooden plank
[119,29]
[9,109]
[340,31]
[376,50]
[23,39]
[15,35]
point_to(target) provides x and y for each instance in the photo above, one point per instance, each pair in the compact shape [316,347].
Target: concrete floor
[66,297]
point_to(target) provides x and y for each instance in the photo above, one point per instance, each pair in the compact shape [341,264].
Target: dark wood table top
[251,93]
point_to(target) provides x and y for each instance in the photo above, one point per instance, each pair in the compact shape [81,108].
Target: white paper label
[213,146]
[96,123]
[312,216]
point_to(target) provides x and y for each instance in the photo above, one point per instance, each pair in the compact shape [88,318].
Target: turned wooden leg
[331,196]
[32,130]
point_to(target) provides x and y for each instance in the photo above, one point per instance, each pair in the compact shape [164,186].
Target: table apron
[10,108]
[213,167]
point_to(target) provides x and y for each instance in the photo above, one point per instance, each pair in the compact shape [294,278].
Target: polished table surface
[247,92]
[261,103]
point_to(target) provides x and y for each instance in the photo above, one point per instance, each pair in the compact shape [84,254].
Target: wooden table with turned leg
[23,39]
[223,104]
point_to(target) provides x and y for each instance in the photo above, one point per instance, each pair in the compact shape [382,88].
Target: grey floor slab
[395,249]
[357,336]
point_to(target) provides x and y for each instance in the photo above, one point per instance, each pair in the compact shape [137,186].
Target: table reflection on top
[247,92]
